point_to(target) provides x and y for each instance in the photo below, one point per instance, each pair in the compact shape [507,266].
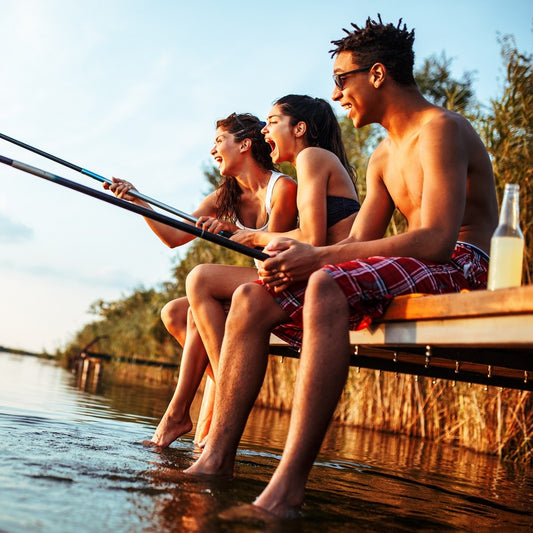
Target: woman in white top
[252,196]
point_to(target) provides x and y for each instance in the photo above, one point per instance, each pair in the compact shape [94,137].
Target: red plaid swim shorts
[370,284]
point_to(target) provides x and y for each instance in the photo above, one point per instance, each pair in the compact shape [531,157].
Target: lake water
[72,461]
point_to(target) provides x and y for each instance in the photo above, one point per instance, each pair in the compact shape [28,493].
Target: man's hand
[289,261]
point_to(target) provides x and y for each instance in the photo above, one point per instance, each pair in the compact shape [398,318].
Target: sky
[133,89]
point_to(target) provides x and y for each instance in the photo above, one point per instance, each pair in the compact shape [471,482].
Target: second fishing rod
[103,179]
[128,206]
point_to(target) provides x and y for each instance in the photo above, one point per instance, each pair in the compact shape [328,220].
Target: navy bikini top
[339,208]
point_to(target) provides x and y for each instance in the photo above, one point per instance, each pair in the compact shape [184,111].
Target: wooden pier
[477,337]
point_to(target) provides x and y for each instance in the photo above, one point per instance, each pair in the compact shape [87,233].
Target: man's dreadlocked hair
[241,126]
[381,43]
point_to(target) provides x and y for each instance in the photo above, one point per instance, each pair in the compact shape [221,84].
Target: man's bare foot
[209,465]
[283,504]
[251,514]
[282,512]
[168,430]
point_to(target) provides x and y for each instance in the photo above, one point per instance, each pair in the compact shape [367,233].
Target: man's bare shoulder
[448,132]
[380,155]
[438,120]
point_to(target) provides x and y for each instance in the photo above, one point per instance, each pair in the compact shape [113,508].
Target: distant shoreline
[25,352]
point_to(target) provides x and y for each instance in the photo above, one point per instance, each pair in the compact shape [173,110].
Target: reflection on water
[72,461]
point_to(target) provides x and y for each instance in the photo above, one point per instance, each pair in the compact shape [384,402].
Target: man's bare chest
[403,178]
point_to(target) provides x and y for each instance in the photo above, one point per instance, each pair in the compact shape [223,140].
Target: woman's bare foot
[169,429]
[202,443]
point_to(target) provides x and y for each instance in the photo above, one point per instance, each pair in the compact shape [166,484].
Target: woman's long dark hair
[241,126]
[323,128]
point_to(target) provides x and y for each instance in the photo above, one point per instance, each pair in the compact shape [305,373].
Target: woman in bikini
[305,132]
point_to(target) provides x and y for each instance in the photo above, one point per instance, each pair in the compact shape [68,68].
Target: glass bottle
[507,244]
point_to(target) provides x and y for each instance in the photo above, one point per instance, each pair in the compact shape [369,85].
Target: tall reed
[484,419]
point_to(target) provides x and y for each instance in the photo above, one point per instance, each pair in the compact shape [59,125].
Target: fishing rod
[145,212]
[101,179]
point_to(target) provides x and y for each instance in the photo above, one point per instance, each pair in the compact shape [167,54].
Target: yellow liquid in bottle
[505,267]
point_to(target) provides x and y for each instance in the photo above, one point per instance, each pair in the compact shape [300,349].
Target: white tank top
[268,202]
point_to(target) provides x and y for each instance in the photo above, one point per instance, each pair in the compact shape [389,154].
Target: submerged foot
[168,430]
[211,466]
[250,514]
[281,512]
[280,502]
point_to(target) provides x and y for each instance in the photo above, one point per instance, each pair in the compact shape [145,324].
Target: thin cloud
[12,232]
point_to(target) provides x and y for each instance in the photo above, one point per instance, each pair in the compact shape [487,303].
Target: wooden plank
[487,334]
[475,303]
[505,331]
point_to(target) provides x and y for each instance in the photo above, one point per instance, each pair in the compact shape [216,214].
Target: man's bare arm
[433,224]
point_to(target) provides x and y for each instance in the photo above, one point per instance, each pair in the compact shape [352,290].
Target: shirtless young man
[433,167]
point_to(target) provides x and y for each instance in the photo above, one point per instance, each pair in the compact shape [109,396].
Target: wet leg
[322,373]
[177,421]
[242,367]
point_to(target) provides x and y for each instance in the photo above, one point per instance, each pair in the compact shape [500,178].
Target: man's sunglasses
[339,78]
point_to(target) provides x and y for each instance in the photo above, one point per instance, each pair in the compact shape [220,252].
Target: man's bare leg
[322,373]
[177,421]
[242,368]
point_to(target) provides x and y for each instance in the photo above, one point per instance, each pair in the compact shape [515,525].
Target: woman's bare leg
[177,421]
[212,286]
[209,288]
[215,285]
[206,412]
[242,369]
[174,317]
